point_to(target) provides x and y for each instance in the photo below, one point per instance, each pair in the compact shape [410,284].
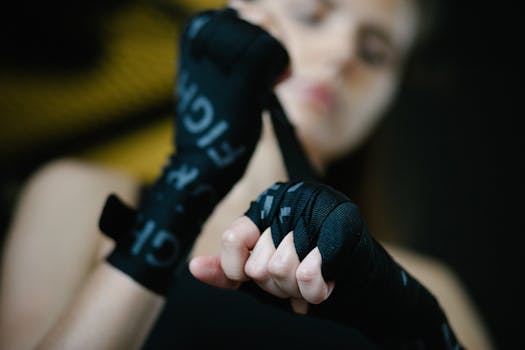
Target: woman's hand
[312,234]
[226,71]
[286,244]
[247,254]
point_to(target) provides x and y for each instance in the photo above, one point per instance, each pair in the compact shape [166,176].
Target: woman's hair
[348,173]
[430,14]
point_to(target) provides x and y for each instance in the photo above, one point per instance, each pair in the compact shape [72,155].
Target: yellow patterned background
[135,74]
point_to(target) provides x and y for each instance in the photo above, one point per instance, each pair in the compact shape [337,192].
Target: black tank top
[199,316]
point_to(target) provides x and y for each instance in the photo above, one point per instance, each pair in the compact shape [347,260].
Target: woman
[347,58]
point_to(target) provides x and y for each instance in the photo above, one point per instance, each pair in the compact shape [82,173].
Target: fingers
[256,14]
[312,286]
[208,269]
[237,242]
[282,266]
[247,254]
[253,13]
[256,266]
[299,306]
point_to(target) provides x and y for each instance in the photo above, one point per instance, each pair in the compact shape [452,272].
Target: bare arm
[111,312]
[52,247]
[452,294]
[250,253]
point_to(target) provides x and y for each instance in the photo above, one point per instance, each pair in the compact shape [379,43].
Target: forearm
[464,316]
[385,302]
[372,292]
[112,311]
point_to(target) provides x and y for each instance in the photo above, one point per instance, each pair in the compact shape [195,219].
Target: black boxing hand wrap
[226,70]
[315,213]
[372,292]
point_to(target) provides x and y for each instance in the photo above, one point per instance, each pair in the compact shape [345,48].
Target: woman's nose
[334,55]
[341,56]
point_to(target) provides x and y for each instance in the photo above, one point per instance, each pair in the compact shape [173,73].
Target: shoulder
[451,293]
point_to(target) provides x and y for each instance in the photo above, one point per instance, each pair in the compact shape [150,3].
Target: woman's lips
[319,96]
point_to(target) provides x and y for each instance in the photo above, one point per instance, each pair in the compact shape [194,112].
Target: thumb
[208,269]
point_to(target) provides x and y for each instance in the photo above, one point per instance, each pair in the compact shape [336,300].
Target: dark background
[445,167]
[450,160]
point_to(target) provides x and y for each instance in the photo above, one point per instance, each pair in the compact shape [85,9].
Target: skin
[334,97]
[346,58]
[129,312]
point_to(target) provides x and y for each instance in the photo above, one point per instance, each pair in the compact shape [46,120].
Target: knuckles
[231,238]
[237,233]
[305,274]
[340,230]
[281,266]
[256,271]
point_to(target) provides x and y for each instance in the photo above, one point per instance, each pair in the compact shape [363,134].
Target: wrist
[145,251]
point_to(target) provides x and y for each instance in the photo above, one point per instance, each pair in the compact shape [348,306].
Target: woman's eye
[310,12]
[374,49]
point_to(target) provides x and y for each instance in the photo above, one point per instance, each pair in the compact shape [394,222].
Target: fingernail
[299,306]
[330,285]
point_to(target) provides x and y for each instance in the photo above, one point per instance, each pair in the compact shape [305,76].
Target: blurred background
[94,80]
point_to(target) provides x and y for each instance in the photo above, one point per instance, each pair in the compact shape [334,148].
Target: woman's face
[346,60]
